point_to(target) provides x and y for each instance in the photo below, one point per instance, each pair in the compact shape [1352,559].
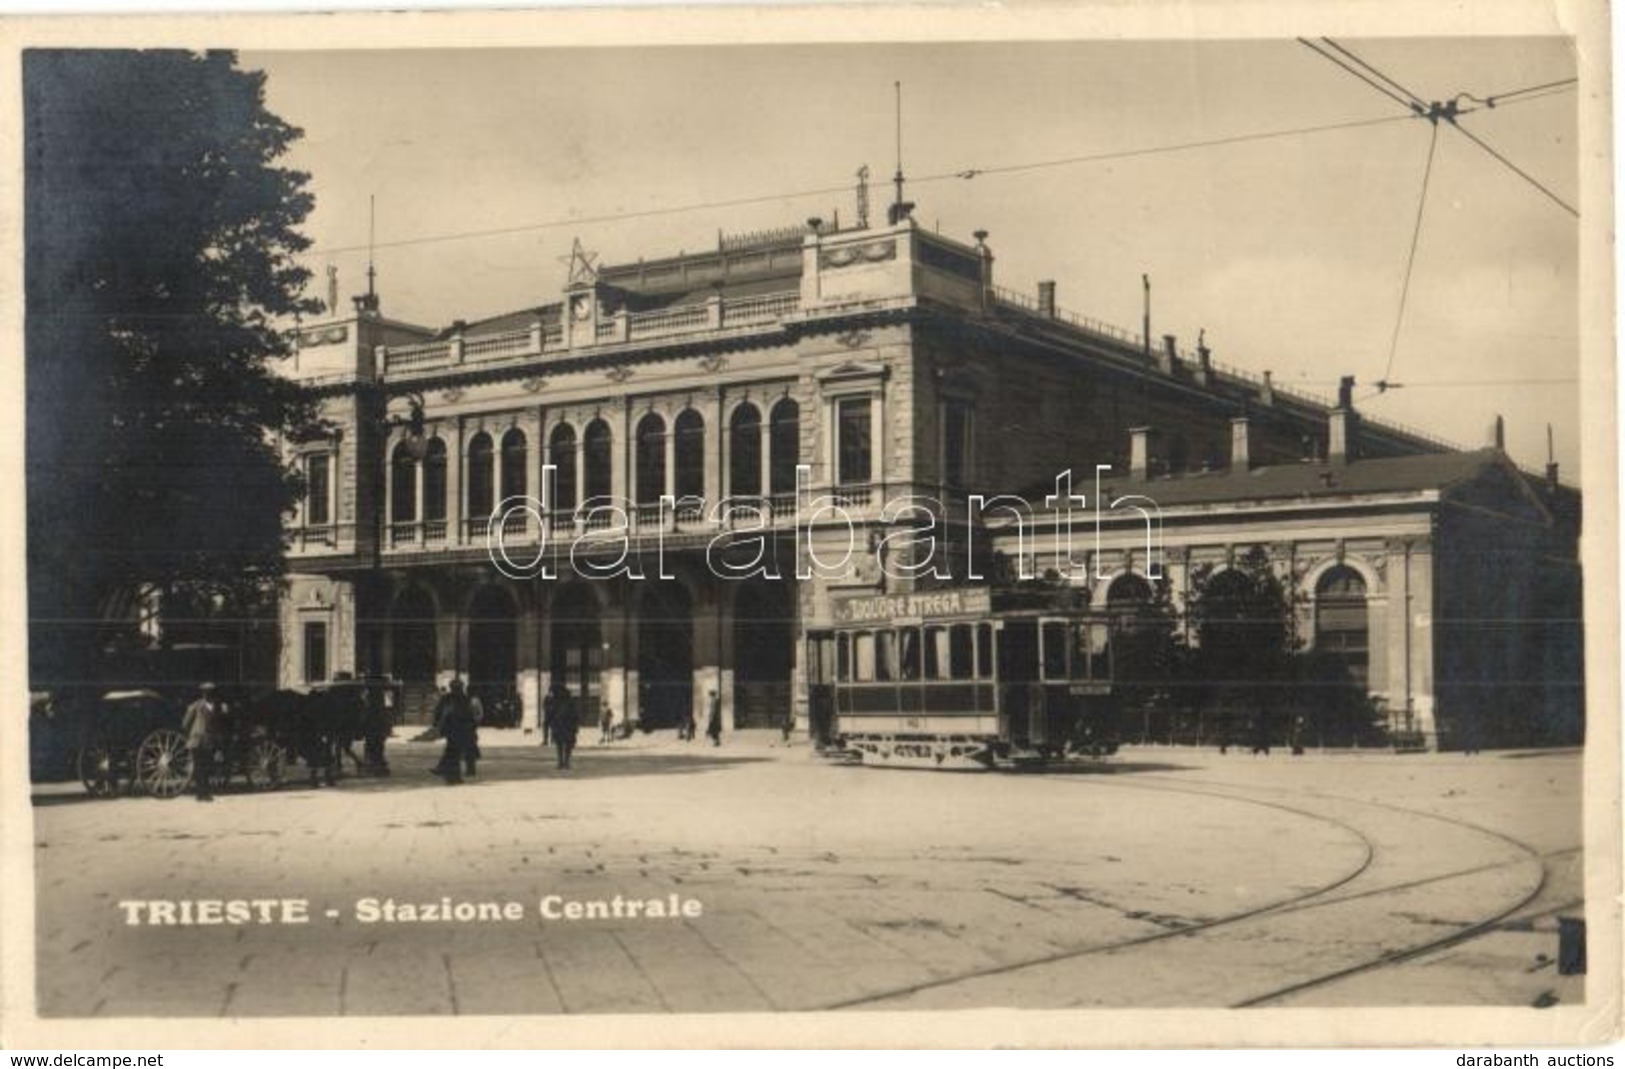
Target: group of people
[457,717]
[457,720]
[713,721]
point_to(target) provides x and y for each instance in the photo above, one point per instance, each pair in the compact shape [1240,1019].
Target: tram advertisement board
[914,608]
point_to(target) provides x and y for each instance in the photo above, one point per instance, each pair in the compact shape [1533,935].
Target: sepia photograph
[557,523]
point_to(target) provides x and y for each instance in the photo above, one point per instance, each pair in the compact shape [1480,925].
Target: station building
[712,452]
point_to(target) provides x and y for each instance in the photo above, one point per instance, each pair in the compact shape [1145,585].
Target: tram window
[1055,642]
[935,662]
[908,643]
[885,655]
[1089,651]
[863,656]
[984,651]
[961,653]
[843,658]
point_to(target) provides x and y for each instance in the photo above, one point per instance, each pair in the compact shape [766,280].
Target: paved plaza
[768,879]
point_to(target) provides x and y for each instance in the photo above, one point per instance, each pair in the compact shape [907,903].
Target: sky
[1290,252]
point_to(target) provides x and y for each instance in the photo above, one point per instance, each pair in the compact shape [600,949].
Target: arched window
[745,451]
[403,496]
[481,479]
[562,455]
[1228,629]
[1128,594]
[784,446]
[1128,601]
[515,480]
[651,459]
[434,481]
[690,449]
[1342,624]
[595,460]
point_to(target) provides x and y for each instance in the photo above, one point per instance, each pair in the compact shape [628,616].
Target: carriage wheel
[265,761]
[163,764]
[99,770]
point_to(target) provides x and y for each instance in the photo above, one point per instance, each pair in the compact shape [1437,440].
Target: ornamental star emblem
[581,264]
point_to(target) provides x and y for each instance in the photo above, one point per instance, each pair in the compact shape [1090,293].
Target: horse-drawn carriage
[132,741]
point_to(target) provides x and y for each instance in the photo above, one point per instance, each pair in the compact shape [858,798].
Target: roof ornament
[581,264]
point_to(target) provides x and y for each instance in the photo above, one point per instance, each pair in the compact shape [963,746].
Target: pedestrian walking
[566,722]
[376,726]
[686,730]
[550,712]
[202,725]
[789,724]
[1260,733]
[471,744]
[606,722]
[455,718]
[713,718]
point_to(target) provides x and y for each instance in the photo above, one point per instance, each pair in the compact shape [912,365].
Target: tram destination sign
[914,608]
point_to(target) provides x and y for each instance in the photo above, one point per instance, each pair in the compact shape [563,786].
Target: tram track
[1237,925]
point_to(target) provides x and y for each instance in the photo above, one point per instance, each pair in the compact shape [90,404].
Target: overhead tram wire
[1402,101]
[1410,258]
[1519,171]
[1415,101]
[959,175]
[1436,111]
[1495,100]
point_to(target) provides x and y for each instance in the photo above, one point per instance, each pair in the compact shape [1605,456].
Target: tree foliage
[160,241]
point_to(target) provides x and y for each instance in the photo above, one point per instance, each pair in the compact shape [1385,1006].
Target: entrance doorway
[493,655]
[764,645]
[412,645]
[578,650]
[665,656]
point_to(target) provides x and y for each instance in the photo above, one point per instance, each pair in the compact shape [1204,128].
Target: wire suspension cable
[1520,172]
[1495,100]
[1410,258]
[1415,101]
[1384,90]
[959,175]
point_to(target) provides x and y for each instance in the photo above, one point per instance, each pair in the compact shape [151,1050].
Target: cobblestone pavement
[1165,877]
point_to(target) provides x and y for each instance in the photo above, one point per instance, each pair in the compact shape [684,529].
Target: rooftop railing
[716,314]
[1135,341]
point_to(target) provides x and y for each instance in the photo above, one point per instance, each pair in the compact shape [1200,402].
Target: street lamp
[417,443]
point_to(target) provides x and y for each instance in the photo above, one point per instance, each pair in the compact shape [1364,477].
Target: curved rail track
[1307,940]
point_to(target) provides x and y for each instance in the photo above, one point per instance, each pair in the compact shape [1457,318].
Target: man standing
[202,726]
[550,713]
[713,718]
[566,720]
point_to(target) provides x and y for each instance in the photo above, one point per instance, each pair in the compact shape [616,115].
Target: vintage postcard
[838,527]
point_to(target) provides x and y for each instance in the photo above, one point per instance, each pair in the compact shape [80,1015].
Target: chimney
[1500,434]
[1204,359]
[1170,354]
[1139,453]
[1240,458]
[1046,299]
[985,255]
[1266,390]
[1340,423]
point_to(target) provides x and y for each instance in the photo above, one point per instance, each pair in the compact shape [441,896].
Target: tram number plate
[912,722]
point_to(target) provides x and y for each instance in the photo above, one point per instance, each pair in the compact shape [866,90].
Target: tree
[160,243]
[1243,621]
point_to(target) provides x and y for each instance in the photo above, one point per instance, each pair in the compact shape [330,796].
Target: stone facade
[781,394]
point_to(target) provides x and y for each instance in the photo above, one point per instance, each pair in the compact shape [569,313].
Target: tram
[968,678]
